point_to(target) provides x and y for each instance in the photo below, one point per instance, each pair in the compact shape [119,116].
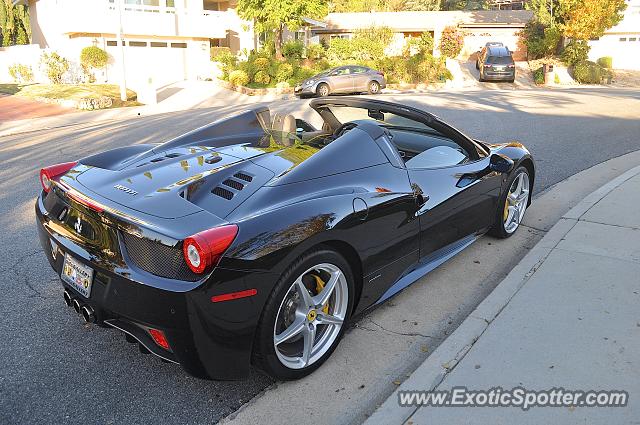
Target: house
[164,40]
[621,42]
[479,27]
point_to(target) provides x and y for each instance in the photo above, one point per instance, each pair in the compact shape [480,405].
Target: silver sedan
[343,79]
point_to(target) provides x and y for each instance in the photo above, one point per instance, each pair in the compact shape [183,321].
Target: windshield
[348,113]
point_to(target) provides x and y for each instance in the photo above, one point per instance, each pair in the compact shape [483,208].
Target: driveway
[16,108]
[469,76]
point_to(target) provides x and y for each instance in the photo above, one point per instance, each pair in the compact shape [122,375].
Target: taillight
[204,250]
[159,338]
[487,65]
[48,174]
[512,66]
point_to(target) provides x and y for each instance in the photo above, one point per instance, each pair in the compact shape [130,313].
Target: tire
[512,80]
[373,87]
[286,360]
[322,90]
[503,228]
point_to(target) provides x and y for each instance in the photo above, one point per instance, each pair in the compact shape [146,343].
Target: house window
[137,44]
[623,38]
[179,45]
[216,6]
[344,36]
[632,39]
[112,43]
[158,44]
[299,36]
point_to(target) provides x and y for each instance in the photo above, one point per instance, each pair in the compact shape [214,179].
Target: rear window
[499,60]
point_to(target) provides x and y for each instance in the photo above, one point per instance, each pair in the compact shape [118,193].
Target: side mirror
[376,115]
[500,163]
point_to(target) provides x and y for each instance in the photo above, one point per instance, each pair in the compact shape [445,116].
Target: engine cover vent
[222,192]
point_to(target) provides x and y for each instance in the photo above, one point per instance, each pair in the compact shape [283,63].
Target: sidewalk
[567,316]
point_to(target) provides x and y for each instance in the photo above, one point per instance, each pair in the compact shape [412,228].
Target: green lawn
[70,91]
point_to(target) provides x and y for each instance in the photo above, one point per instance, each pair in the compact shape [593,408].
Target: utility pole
[123,75]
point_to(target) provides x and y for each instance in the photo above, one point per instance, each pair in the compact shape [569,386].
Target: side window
[343,71]
[358,70]
[428,149]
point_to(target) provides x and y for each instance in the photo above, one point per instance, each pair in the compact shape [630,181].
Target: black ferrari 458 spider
[252,241]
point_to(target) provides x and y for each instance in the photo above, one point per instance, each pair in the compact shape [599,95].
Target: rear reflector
[159,338]
[234,295]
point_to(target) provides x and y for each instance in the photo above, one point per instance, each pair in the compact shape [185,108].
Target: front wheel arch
[528,164]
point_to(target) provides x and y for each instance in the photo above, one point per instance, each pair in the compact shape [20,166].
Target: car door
[361,78]
[456,200]
[341,80]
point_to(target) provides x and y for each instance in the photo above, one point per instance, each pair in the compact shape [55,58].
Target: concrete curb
[435,368]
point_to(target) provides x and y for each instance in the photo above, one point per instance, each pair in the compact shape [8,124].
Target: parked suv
[496,64]
[343,79]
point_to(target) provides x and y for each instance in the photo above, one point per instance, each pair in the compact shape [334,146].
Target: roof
[424,21]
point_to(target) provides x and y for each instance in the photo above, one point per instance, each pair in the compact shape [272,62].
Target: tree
[544,10]
[14,24]
[274,15]
[587,19]
[418,5]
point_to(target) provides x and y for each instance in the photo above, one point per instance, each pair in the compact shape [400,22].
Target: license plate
[499,68]
[77,275]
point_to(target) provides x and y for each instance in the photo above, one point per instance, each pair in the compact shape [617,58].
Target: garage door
[164,62]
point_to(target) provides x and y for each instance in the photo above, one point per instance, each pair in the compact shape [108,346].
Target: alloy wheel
[516,203]
[323,90]
[374,87]
[310,316]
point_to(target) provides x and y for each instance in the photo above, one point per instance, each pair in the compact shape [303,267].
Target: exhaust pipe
[68,299]
[76,305]
[88,314]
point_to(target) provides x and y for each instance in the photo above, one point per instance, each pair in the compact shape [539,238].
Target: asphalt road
[53,368]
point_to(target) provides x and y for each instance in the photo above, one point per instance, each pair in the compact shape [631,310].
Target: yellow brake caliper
[319,286]
[506,209]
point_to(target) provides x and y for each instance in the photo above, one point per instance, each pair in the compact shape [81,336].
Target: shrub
[301,74]
[21,73]
[320,65]
[420,68]
[416,45]
[285,71]
[238,78]
[538,76]
[316,51]
[606,62]
[215,53]
[541,41]
[94,57]
[283,85]
[227,60]
[556,78]
[587,72]
[293,49]
[261,77]
[261,64]
[339,49]
[55,66]
[366,44]
[576,51]
[451,42]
